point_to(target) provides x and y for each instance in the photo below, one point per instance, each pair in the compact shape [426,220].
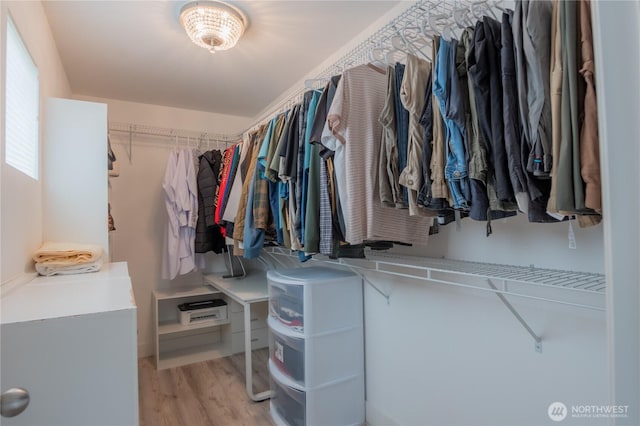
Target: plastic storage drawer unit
[316,347]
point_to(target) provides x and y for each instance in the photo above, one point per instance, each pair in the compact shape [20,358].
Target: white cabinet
[71,342]
[316,348]
[74,173]
[178,344]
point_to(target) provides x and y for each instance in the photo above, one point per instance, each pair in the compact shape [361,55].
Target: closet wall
[137,198]
[21,214]
[437,354]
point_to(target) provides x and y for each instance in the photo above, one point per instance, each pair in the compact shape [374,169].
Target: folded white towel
[48,270]
[64,254]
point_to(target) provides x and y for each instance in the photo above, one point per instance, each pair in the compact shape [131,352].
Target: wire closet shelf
[573,288]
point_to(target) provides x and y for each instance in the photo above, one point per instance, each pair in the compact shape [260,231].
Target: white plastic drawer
[287,353]
[315,361]
[286,303]
[289,403]
[315,300]
[339,403]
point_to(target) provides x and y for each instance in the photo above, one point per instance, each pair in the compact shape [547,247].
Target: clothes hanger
[498,5]
[461,17]
[311,83]
[377,57]
[412,36]
[481,7]
[401,43]
[431,23]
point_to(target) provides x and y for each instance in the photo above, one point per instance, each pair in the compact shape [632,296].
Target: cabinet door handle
[255,339]
[254,319]
[13,402]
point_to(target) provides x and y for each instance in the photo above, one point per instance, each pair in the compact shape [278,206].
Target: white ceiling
[137,51]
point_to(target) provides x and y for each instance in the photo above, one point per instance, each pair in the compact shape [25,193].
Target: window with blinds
[22,105]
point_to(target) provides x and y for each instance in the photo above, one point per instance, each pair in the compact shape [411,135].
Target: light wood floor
[203,394]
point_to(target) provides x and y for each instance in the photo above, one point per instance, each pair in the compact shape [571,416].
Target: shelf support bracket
[536,338]
[367,280]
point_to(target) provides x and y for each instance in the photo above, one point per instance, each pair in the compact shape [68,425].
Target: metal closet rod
[173,134]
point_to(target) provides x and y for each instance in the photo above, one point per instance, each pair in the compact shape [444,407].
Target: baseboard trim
[145,350]
[16,282]
[376,417]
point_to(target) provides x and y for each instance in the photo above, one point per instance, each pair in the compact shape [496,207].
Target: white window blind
[22,106]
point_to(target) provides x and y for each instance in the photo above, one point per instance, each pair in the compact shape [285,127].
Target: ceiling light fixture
[213,25]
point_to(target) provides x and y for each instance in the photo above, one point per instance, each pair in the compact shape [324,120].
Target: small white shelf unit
[178,344]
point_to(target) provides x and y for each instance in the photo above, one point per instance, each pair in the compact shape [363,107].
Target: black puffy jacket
[208,235]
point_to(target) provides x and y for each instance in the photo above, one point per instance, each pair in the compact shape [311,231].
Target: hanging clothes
[112,161]
[426,123]
[479,168]
[536,38]
[208,236]
[283,186]
[569,195]
[311,181]
[439,188]
[484,65]
[229,175]
[402,128]
[390,191]
[354,133]
[181,202]
[485,71]
[568,184]
[240,219]
[233,199]
[447,91]
[330,234]
[289,146]
[261,205]
[511,115]
[417,73]
[534,17]
[589,141]
[302,162]
[274,185]
[556,105]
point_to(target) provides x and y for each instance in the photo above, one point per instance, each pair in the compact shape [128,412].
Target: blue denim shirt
[447,89]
